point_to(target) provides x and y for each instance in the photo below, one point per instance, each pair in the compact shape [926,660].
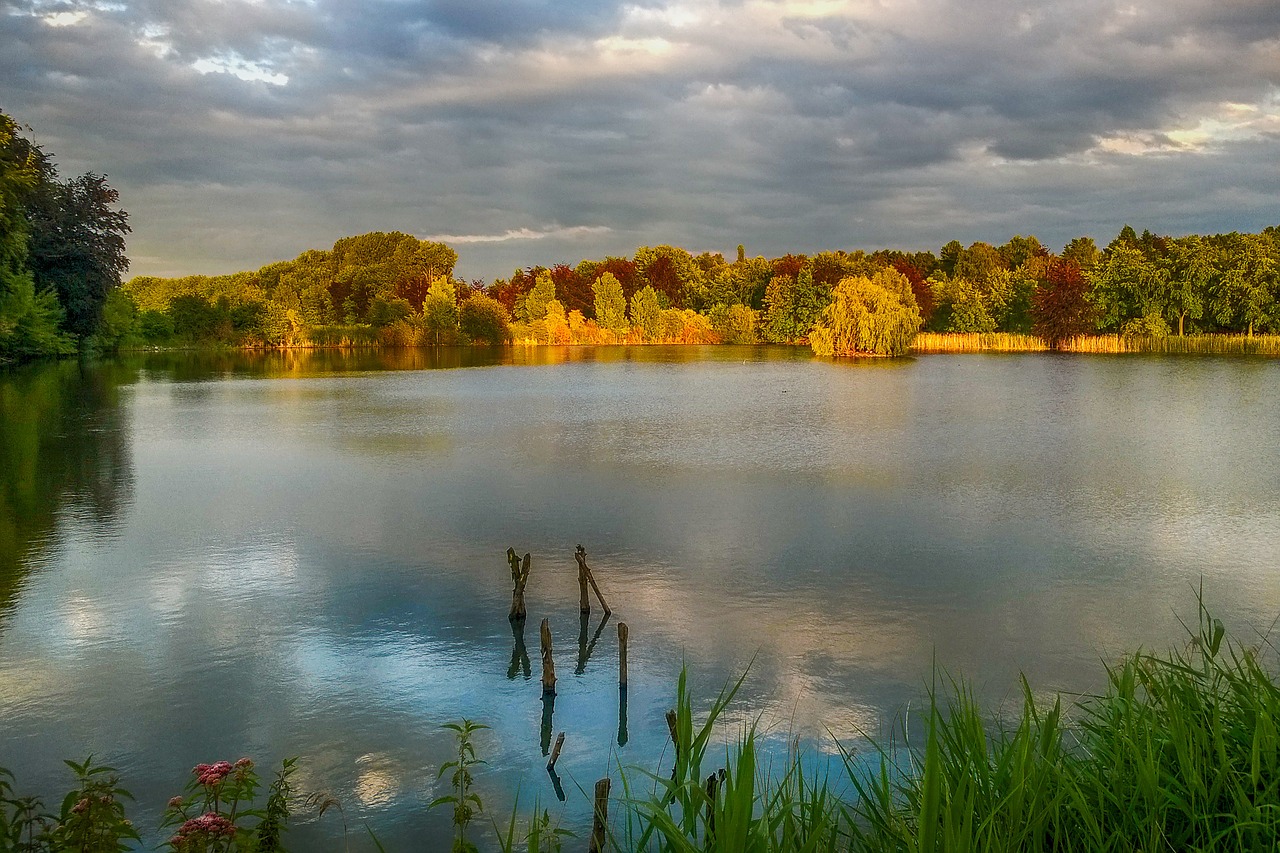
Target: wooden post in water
[548,665]
[584,601]
[713,785]
[555,752]
[583,569]
[519,577]
[623,631]
[601,818]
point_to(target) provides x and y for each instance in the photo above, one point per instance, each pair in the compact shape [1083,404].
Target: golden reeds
[939,342]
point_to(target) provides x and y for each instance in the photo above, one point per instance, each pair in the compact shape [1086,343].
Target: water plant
[465,801]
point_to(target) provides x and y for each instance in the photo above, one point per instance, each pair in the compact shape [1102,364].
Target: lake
[209,556]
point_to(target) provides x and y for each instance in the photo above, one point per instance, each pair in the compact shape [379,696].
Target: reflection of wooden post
[601,818]
[519,654]
[622,715]
[555,783]
[622,653]
[519,577]
[584,648]
[555,752]
[583,569]
[548,665]
[548,720]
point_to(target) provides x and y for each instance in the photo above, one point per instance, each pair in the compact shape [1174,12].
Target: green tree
[610,305]
[646,312]
[77,246]
[30,317]
[535,303]
[483,320]
[868,316]
[960,306]
[1247,293]
[1190,275]
[779,316]
[440,310]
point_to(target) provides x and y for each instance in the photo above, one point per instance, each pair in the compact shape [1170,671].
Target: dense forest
[61,256]
[62,253]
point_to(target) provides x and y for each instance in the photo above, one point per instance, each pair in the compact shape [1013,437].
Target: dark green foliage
[482,319]
[61,251]
[77,246]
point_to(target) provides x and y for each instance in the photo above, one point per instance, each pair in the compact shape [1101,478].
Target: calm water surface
[302,554]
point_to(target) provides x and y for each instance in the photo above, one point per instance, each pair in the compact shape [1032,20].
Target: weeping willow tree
[868,316]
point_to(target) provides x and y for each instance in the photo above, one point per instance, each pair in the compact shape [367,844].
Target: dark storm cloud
[241,131]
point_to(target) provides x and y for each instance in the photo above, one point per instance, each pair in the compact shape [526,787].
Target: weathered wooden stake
[601,818]
[584,569]
[555,752]
[548,665]
[519,577]
[713,784]
[623,631]
[584,600]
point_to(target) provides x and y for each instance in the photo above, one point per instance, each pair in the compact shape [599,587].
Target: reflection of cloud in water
[378,779]
[83,622]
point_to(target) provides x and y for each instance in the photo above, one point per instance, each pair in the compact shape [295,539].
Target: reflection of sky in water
[313,566]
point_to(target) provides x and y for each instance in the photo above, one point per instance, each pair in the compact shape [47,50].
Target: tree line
[394,289]
[62,253]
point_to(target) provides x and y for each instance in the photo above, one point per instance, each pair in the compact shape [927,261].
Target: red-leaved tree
[1060,307]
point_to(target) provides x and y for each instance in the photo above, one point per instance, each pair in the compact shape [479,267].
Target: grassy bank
[954,342]
[1179,752]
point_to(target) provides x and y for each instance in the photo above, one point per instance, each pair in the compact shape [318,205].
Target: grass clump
[1178,753]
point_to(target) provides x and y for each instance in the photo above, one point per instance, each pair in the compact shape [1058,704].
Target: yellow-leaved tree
[868,316]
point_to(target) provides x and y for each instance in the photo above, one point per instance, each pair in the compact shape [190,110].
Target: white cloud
[576,231]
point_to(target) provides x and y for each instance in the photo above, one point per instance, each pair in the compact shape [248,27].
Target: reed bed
[955,342]
[938,342]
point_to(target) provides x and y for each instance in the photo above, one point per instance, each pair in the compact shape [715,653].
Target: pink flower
[244,764]
[175,803]
[212,774]
[79,807]
[209,823]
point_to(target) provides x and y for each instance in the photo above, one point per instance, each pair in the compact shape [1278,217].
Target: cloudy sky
[537,131]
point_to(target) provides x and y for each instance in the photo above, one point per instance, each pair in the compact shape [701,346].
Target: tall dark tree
[77,246]
[1060,308]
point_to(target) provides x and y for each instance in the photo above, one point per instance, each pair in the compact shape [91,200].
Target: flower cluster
[208,826]
[211,774]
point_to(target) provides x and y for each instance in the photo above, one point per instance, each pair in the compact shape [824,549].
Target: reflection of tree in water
[65,451]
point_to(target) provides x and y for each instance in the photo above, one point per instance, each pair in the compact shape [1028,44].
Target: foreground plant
[1179,753]
[466,802]
[92,817]
[217,813]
